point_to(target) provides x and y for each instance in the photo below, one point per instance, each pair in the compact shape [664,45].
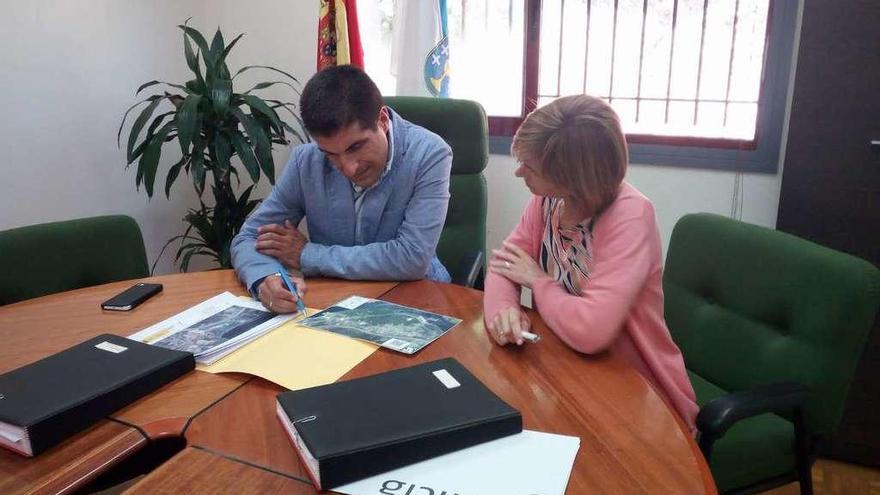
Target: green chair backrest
[54,257]
[463,125]
[749,305]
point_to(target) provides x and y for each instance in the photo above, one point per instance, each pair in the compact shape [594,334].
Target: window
[668,67]
[695,82]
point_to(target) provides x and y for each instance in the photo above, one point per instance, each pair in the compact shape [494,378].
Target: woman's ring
[507,265]
[270,304]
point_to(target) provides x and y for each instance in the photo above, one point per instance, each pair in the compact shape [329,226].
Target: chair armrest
[717,416]
[468,269]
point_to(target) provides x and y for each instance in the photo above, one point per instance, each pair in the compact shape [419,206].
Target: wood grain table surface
[33,329]
[631,442]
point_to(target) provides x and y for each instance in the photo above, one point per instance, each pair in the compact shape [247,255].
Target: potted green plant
[211,124]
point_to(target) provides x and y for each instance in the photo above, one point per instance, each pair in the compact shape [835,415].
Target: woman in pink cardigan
[588,247]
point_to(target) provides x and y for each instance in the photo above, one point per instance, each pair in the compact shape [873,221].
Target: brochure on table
[213,328]
[389,325]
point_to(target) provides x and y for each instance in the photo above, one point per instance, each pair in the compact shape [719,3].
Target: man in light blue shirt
[373,188]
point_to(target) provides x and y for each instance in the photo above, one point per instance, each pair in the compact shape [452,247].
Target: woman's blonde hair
[578,144]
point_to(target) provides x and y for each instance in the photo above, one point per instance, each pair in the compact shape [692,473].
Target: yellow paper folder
[295,357]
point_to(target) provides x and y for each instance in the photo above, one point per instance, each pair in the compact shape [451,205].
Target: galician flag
[420,48]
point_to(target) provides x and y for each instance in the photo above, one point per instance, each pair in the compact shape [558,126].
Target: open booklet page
[213,328]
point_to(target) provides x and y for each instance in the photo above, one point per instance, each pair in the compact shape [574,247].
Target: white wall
[674,192]
[69,71]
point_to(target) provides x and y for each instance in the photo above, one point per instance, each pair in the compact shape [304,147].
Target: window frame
[759,155]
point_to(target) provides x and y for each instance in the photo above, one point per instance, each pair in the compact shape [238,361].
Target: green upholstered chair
[463,125]
[771,327]
[54,257]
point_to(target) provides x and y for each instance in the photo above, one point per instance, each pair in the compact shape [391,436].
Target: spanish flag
[339,40]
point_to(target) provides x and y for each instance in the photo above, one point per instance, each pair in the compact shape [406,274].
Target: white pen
[530,337]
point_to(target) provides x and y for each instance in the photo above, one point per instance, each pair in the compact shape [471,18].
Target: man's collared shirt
[359,191]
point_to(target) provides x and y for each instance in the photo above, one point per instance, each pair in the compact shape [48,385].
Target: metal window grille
[669,67]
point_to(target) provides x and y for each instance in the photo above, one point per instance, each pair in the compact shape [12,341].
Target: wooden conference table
[630,441]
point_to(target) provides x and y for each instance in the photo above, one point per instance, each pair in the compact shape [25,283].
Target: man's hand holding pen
[276,297]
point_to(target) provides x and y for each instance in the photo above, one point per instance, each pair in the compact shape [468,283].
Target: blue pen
[300,307]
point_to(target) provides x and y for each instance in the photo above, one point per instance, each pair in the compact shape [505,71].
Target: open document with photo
[390,325]
[214,328]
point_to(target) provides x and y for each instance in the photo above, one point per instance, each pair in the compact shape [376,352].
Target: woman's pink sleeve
[501,293]
[623,256]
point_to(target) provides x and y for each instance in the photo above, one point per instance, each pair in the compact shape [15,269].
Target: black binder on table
[350,430]
[49,400]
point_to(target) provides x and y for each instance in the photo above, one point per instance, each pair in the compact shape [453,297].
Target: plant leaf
[246,154]
[173,172]
[258,105]
[184,265]
[289,107]
[159,120]
[122,124]
[217,50]
[202,44]
[197,37]
[187,119]
[224,258]
[153,83]
[146,85]
[249,67]
[243,211]
[139,123]
[187,246]
[222,58]
[197,171]
[149,161]
[237,179]
[196,86]
[263,148]
[217,44]
[192,60]
[162,251]
[201,220]
[222,153]
[264,85]
[221,92]
[294,132]
[243,200]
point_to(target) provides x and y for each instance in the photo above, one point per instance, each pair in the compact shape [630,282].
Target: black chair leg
[803,457]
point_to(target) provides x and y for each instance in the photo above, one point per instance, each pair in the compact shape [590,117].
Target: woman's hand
[514,264]
[508,325]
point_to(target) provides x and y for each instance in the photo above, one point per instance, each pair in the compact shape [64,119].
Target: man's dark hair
[338,96]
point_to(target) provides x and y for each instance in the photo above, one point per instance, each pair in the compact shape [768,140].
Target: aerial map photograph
[390,325]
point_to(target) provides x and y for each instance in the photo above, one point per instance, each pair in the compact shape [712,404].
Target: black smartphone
[131,297]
